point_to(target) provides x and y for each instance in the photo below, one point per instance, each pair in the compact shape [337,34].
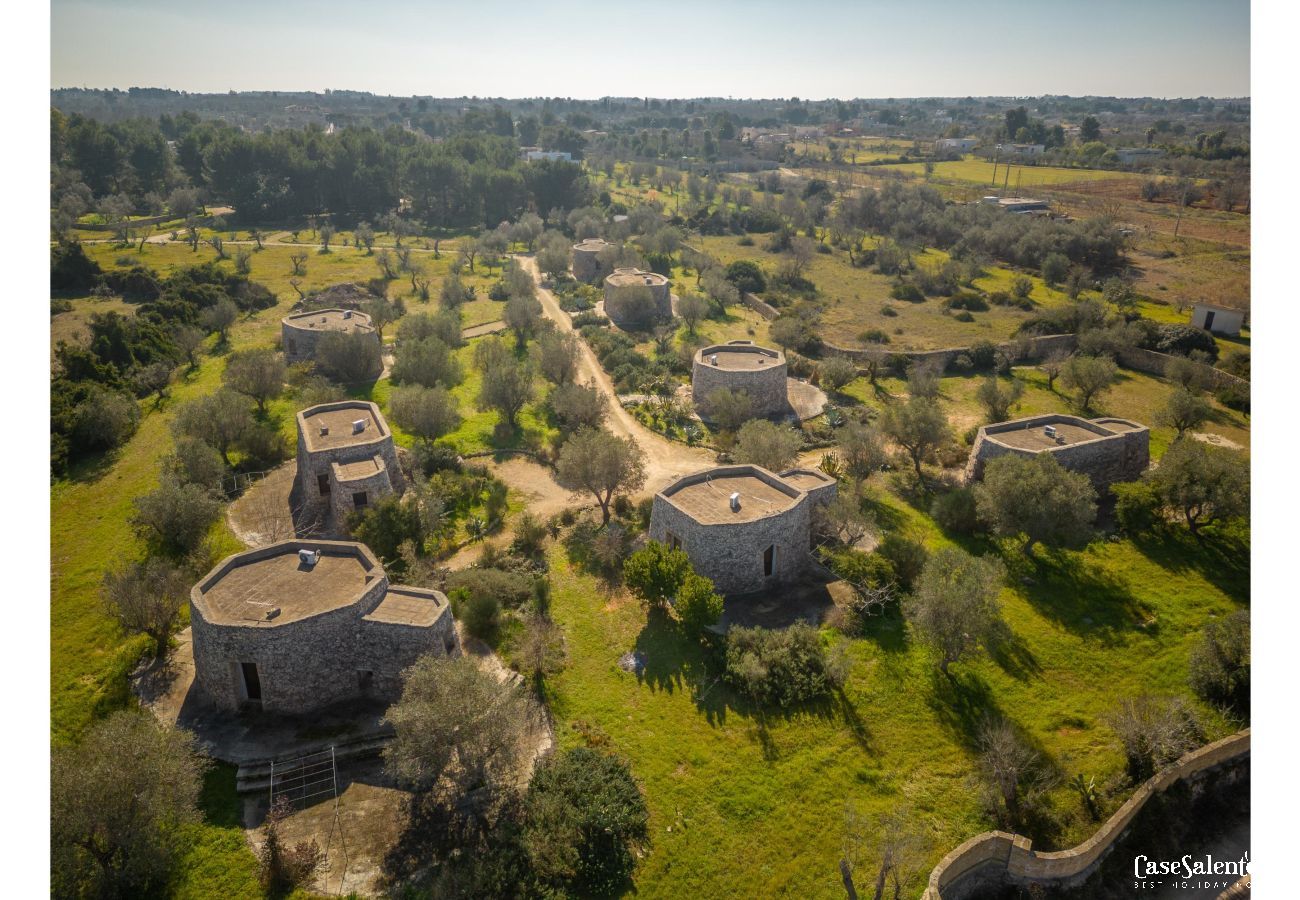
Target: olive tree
[1183,411]
[458,722]
[221,420]
[119,801]
[1038,498]
[556,356]
[219,317]
[998,398]
[146,598]
[349,357]
[837,372]
[1089,377]
[176,516]
[257,373]
[426,412]
[506,387]
[578,406]
[596,462]
[861,449]
[729,409]
[919,426]
[692,308]
[1201,483]
[954,605]
[766,444]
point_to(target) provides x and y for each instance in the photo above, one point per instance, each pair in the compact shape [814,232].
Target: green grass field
[977,171]
[751,803]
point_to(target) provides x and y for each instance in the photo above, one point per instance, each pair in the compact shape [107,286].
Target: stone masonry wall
[1123,456]
[390,648]
[299,344]
[312,464]
[586,264]
[375,486]
[301,665]
[998,858]
[731,554]
[766,387]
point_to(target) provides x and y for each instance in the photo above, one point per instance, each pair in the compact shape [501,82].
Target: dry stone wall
[1120,455]
[998,858]
[765,385]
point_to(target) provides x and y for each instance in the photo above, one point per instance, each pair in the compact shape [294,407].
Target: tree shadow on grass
[1084,598]
[666,659]
[1221,558]
[961,701]
[1013,655]
[888,630]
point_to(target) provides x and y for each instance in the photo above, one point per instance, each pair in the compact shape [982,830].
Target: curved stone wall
[619,287]
[585,260]
[301,333]
[998,858]
[764,383]
[1118,450]
[308,500]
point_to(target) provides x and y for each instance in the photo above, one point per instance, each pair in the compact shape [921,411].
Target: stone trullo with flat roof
[1107,450]
[301,333]
[743,527]
[304,624]
[346,461]
[743,367]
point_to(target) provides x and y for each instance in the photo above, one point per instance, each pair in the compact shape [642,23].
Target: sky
[671,48]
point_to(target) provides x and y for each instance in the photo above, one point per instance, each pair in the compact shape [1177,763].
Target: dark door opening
[769,559]
[323,482]
[1209,320]
[365,678]
[359,500]
[252,682]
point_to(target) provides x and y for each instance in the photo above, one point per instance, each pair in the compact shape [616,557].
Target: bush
[1183,339]
[480,613]
[874,336]
[1235,396]
[905,290]
[955,511]
[905,555]
[747,276]
[510,589]
[1219,669]
[780,667]
[176,516]
[583,816]
[966,301]
[1137,506]
[698,605]
[656,572]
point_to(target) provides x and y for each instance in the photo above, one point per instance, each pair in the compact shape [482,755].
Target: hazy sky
[670,48]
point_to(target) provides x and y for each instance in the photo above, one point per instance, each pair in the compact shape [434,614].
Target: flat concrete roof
[630,277]
[1035,438]
[592,244]
[705,496]
[404,605]
[246,588]
[329,320]
[338,419]
[362,468]
[741,357]
[806,479]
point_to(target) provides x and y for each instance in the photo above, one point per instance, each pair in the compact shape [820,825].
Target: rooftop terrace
[630,277]
[329,320]
[705,496]
[272,587]
[740,357]
[336,420]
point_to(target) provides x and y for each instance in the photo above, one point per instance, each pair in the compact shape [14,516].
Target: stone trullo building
[346,461]
[301,333]
[743,527]
[624,286]
[744,367]
[300,625]
[585,260]
[1107,450]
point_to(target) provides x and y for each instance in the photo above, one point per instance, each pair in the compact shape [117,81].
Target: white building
[1023,149]
[1218,319]
[961,145]
[532,154]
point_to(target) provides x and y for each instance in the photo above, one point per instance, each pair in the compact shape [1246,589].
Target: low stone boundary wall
[760,306]
[144,222]
[998,857]
[531,454]
[1037,348]
[1154,363]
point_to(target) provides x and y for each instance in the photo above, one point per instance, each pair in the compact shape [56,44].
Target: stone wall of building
[1106,459]
[300,343]
[307,497]
[621,284]
[585,260]
[322,659]
[731,554]
[997,858]
[765,386]
[344,490]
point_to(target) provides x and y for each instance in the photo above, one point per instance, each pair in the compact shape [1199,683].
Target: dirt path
[665,459]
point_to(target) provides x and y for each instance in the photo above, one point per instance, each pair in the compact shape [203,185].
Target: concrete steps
[255,775]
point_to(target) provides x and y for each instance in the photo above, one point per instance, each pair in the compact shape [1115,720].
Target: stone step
[255,775]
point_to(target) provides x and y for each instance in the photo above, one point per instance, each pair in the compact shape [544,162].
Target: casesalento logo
[1188,866]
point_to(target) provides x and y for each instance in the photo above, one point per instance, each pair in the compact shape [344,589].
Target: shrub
[480,613]
[512,589]
[583,815]
[780,667]
[1183,339]
[905,555]
[874,336]
[967,301]
[698,605]
[888,311]
[905,290]
[1137,506]
[964,316]
[655,573]
[955,512]
[176,516]
[747,276]
[1235,396]
[1219,669]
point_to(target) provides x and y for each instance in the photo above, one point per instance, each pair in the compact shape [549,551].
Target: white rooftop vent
[347,313]
[324,430]
[308,557]
[735,501]
[358,426]
[272,613]
[649,280]
[1049,430]
[713,358]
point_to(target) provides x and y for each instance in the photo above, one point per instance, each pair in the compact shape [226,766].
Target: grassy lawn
[977,171]
[747,803]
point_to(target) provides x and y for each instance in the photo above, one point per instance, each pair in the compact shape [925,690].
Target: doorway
[1209,320]
[769,561]
[252,682]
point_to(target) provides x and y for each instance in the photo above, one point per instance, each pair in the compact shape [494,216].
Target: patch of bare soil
[1217,440]
[262,515]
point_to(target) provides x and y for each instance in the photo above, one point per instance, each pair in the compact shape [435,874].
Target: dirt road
[665,460]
